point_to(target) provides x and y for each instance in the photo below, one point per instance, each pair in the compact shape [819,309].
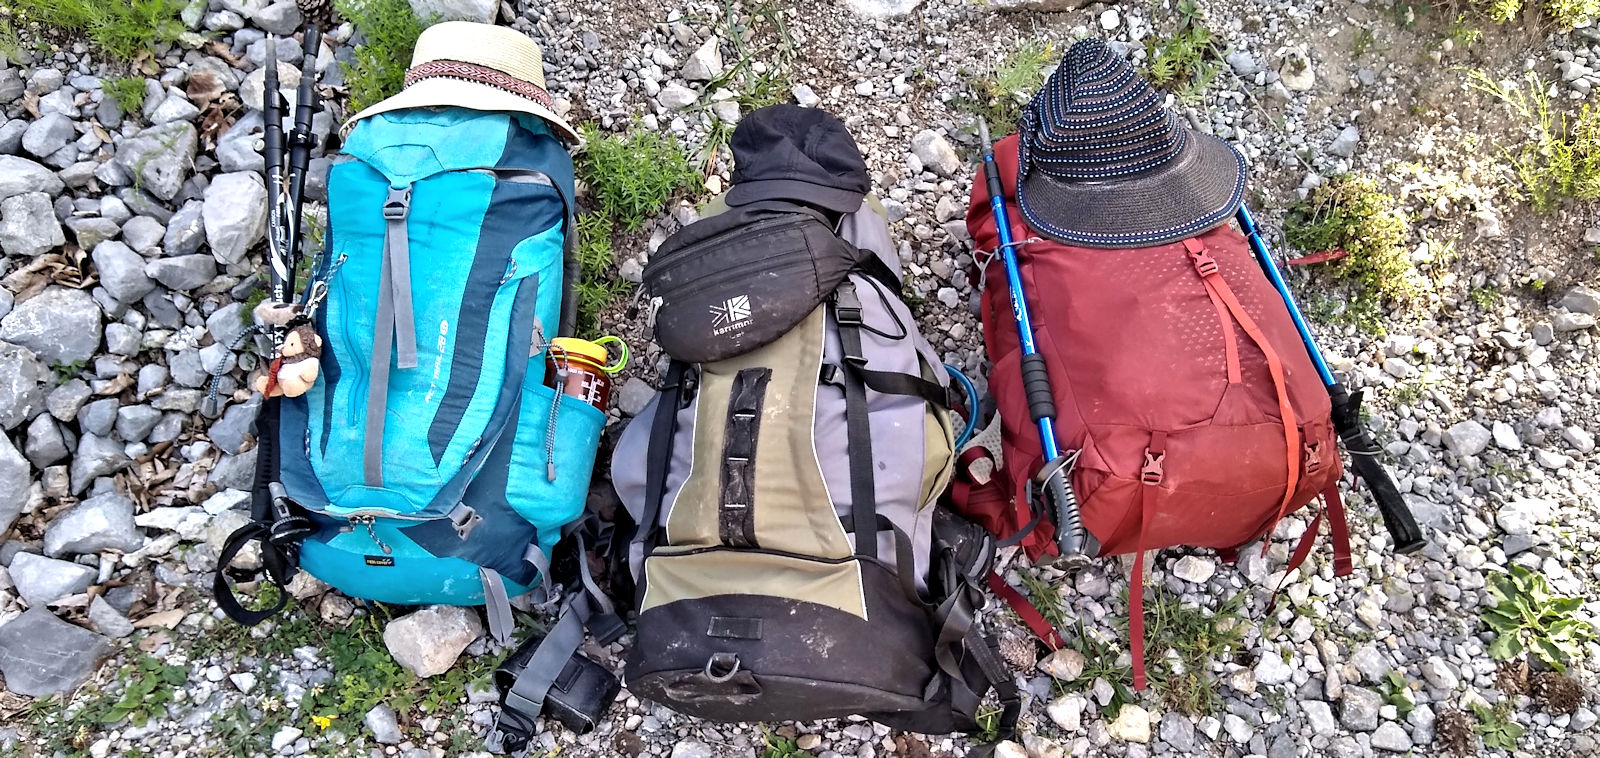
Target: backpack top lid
[410,145]
[1102,164]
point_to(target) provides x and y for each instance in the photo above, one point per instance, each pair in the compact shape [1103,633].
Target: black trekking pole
[1358,442]
[301,141]
[278,231]
[1055,477]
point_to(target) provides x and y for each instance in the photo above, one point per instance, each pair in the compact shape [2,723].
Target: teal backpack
[430,464]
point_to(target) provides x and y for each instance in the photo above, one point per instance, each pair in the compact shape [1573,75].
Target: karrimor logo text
[730,315]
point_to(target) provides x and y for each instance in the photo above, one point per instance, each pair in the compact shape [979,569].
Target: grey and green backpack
[801,410]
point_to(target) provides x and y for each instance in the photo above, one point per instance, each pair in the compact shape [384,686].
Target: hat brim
[831,198]
[1196,191]
[460,93]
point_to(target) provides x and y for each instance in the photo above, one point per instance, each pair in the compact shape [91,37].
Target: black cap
[786,152]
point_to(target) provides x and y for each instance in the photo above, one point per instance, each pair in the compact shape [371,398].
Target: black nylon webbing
[736,522]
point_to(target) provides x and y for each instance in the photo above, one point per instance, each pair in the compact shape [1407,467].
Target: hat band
[482,75]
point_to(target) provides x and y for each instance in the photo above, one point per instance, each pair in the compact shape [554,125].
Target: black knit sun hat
[1102,164]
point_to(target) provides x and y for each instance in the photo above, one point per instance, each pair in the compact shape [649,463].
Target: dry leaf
[203,87]
[217,119]
[153,641]
[116,385]
[223,51]
[164,619]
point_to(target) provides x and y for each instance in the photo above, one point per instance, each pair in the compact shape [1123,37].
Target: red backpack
[1177,371]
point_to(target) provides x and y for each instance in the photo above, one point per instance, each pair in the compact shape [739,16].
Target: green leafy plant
[1350,213]
[127,91]
[1496,727]
[774,745]
[389,31]
[632,176]
[1562,160]
[988,718]
[1527,616]
[1462,33]
[998,95]
[1397,692]
[147,689]
[126,29]
[1486,297]
[1198,638]
[1186,62]
[597,285]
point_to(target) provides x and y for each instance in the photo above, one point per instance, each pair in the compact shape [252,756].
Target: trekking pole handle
[1363,450]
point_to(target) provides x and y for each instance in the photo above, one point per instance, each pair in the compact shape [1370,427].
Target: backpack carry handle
[1057,486]
[1357,440]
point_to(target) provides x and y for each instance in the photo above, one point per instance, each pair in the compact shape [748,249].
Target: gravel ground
[131,243]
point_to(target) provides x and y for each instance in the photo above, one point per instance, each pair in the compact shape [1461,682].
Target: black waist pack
[736,281]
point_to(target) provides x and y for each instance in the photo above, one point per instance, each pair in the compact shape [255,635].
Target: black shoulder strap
[846,307]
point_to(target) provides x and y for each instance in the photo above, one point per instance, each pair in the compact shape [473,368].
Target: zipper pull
[372,532]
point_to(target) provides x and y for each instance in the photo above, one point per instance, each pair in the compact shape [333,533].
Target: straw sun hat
[479,66]
[1103,164]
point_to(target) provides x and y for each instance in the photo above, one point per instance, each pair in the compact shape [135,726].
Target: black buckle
[846,306]
[606,627]
[830,374]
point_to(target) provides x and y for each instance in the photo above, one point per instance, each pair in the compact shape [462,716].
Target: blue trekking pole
[1054,476]
[1357,440]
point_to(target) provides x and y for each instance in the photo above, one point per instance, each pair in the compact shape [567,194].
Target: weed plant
[1562,157]
[1496,726]
[1565,13]
[1349,212]
[998,96]
[1186,62]
[126,29]
[1181,643]
[633,176]
[389,31]
[630,178]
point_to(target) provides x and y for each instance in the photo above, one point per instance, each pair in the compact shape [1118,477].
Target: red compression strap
[1025,610]
[1151,475]
[1342,565]
[1291,430]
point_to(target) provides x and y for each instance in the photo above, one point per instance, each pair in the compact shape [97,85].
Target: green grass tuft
[1349,212]
[124,28]
[127,91]
[998,97]
[632,177]
[389,30]
[597,284]
[1186,62]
